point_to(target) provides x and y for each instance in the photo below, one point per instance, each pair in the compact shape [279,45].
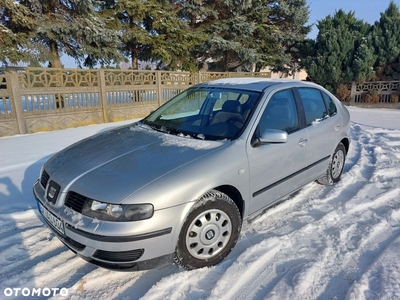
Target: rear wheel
[209,233]
[335,168]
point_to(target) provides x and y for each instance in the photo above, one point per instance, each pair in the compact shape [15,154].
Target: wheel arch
[346,143]
[235,195]
[226,195]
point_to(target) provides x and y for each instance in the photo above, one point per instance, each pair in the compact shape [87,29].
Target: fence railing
[42,99]
[375,92]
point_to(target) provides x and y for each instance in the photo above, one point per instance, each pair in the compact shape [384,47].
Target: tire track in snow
[26,242]
[354,153]
[358,259]
[384,274]
[137,287]
[12,234]
[385,198]
[381,238]
[257,260]
[46,272]
[18,257]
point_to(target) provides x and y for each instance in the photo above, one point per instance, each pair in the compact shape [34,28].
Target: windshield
[205,113]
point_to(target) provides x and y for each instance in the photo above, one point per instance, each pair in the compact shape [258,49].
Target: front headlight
[117,212]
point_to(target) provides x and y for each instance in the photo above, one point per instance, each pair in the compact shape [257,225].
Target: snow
[386,118]
[186,142]
[337,242]
[180,140]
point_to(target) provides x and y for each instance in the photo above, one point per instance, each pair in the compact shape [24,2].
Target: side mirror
[273,136]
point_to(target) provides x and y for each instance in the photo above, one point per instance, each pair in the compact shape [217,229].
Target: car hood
[112,165]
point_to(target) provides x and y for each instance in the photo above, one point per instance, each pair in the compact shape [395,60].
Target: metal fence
[42,99]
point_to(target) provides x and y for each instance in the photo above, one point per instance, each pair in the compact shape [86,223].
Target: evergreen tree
[363,60]
[386,40]
[230,45]
[342,51]
[199,16]
[247,33]
[173,42]
[17,23]
[135,22]
[264,32]
[288,19]
[73,27]
[152,30]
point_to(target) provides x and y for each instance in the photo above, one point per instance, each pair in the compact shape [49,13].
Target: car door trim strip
[289,177]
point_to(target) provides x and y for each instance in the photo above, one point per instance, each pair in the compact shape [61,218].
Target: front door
[274,168]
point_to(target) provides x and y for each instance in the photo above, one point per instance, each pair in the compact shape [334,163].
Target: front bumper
[123,246]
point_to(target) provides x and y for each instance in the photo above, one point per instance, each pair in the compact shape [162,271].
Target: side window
[280,113]
[314,104]
[331,105]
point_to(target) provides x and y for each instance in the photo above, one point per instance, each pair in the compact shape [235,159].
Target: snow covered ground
[339,242]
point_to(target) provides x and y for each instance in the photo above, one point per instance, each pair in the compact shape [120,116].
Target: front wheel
[335,168]
[209,233]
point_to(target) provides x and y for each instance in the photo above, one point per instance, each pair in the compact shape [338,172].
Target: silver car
[177,185]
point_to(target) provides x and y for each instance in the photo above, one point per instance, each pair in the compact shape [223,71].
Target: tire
[209,232]
[335,168]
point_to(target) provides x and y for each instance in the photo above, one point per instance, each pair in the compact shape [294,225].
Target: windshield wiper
[171,130]
[152,125]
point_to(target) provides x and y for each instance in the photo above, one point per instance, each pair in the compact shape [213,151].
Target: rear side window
[331,105]
[314,104]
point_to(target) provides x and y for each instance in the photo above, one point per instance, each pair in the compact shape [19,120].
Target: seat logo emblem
[52,192]
[210,234]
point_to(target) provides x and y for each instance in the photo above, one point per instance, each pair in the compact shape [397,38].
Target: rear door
[323,127]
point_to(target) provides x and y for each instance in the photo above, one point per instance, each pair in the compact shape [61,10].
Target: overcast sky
[367,10]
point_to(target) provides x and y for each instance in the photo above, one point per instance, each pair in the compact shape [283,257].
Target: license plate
[55,222]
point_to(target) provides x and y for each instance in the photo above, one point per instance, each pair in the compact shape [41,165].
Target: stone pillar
[103,94]
[16,100]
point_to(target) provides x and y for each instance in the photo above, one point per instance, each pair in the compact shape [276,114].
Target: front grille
[124,256]
[44,179]
[75,201]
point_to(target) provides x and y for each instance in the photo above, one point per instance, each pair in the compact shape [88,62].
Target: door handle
[336,127]
[302,142]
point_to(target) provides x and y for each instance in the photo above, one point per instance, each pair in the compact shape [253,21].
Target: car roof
[250,83]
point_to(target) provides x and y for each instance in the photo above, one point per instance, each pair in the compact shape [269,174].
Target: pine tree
[342,51]
[135,20]
[153,31]
[230,45]
[386,40]
[199,16]
[289,19]
[363,60]
[173,42]
[74,28]
[247,33]
[17,23]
